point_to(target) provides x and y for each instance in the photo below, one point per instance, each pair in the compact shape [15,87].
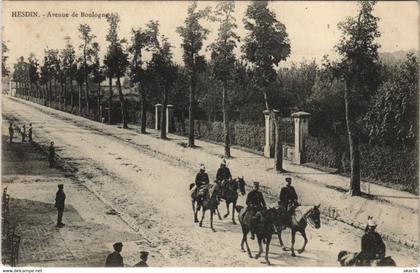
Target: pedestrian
[11,132]
[143,259]
[30,132]
[60,198]
[51,154]
[23,132]
[115,259]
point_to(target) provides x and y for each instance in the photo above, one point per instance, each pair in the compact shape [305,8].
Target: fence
[10,240]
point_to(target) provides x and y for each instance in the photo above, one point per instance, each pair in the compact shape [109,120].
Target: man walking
[11,132]
[30,132]
[143,259]
[51,154]
[60,197]
[115,259]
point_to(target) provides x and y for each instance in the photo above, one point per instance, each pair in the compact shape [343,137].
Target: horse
[209,202]
[230,194]
[309,214]
[347,258]
[265,220]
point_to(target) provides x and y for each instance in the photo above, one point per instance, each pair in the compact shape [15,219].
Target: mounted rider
[201,182]
[255,203]
[223,174]
[373,246]
[288,199]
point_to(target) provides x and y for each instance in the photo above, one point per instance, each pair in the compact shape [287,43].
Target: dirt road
[150,190]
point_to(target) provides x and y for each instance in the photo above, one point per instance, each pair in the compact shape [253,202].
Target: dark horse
[210,201]
[308,214]
[346,258]
[264,222]
[230,194]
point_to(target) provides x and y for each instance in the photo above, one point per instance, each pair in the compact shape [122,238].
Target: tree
[97,77]
[33,75]
[4,49]
[86,36]
[266,44]
[116,61]
[70,70]
[223,58]
[358,69]
[142,40]
[193,35]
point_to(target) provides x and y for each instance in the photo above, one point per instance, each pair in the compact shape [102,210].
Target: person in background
[11,132]
[60,198]
[143,259]
[23,132]
[115,259]
[51,154]
[30,132]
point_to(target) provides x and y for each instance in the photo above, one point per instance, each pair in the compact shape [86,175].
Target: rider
[255,202]
[373,246]
[223,173]
[201,179]
[288,199]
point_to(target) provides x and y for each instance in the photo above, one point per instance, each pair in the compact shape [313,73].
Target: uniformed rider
[255,202]
[288,198]
[373,246]
[201,179]
[223,173]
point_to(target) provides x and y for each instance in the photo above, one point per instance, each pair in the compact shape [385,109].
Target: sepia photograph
[248,134]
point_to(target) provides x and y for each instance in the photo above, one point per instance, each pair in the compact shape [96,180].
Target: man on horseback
[288,199]
[255,203]
[223,174]
[201,182]
[373,246]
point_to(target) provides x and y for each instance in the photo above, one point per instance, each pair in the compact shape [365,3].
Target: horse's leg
[259,238]
[267,248]
[202,216]
[279,230]
[195,213]
[246,241]
[233,212]
[227,208]
[293,242]
[218,213]
[305,241]
[211,221]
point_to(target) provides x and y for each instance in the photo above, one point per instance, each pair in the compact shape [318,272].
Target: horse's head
[241,185]
[314,217]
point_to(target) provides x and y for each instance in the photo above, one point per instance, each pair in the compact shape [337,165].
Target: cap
[202,167]
[371,222]
[223,162]
[144,253]
[118,244]
[288,179]
[60,185]
[256,183]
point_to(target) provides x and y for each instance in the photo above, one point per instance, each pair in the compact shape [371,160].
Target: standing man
[30,132]
[60,198]
[143,259]
[288,197]
[11,132]
[23,132]
[223,173]
[255,202]
[115,259]
[51,154]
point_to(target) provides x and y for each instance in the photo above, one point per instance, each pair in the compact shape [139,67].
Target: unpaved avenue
[152,192]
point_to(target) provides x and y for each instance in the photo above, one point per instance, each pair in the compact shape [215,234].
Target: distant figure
[11,132]
[143,259]
[30,132]
[60,198]
[23,132]
[115,259]
[51,154]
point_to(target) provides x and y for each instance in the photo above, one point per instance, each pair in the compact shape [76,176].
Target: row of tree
[357,88]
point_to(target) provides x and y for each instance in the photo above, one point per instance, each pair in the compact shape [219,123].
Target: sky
[312,26]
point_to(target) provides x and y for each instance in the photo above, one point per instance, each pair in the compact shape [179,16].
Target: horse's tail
[192,185]
[238,208]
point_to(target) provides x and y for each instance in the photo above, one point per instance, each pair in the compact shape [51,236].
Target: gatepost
[301,120]
[269,135]
[169,118]
[158,113]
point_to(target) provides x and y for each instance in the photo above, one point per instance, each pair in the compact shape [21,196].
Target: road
[150,190]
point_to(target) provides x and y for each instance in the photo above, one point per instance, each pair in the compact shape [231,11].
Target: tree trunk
[110,101]
[71,94]
[99,104]
[353,145]
[278,145]
[226,121]
[143,112]
[123,104]
[191,111]
[163,115]
[267,107]
[50,94]
[80,99]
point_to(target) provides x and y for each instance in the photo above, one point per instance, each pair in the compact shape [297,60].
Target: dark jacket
[114,260]
[51,152]
[287,194]
[255,199]
[11,131]
[60,197]
[202,179]
[223,173]
[141,264]
[372,245]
